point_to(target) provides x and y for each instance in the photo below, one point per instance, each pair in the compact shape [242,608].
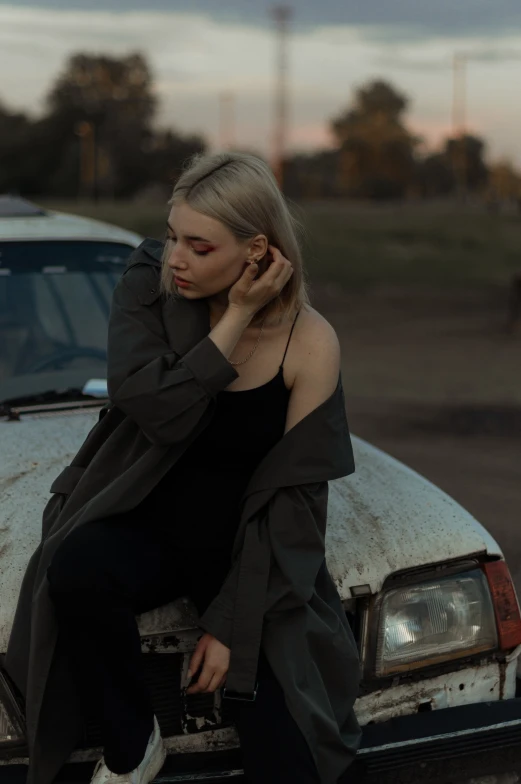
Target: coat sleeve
[165,394]
[293,528]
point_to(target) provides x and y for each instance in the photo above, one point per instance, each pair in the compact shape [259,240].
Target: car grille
[176,713]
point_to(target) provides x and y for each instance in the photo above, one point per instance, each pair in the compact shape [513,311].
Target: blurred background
[393,128]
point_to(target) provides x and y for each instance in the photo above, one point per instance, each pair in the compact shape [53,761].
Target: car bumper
[463,742]
[445,745]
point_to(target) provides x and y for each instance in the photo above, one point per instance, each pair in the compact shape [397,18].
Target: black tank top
[197,503]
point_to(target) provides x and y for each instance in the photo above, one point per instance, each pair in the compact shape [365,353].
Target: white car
[425,587]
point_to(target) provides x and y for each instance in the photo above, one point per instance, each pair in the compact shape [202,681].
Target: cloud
[391,19]
[428,63]
[195,57]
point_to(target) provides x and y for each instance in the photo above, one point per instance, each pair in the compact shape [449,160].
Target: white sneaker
[147,769]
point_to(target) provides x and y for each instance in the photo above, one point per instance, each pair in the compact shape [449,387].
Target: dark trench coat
[164,373]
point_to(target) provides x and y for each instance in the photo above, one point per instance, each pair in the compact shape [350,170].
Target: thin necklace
[242,361]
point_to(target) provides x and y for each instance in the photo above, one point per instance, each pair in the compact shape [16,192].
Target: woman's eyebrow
[190,237]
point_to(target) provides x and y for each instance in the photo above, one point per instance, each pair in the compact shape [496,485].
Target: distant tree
[113,99]
[465,156]
[312,175]
[98,133]
[435,176]
[100,88]
[376,151]
[14,128]
[11,124]
[504,185]
[166,155]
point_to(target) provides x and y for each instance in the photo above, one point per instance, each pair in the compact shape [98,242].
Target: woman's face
[204,252]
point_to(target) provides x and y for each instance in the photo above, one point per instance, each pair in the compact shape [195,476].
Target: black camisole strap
[290,334]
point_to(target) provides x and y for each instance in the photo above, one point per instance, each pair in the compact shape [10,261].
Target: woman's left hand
[216,658]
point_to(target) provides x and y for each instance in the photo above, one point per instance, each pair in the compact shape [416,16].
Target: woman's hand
[216,658]
[251,295]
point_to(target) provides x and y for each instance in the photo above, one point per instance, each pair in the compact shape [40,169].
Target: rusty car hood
[383,519]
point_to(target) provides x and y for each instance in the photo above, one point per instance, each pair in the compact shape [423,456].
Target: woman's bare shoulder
[316,364]
[317,341]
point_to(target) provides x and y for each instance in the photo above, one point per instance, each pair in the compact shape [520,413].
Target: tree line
[98,139]
[377,157]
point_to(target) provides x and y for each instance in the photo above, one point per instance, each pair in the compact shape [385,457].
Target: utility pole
[281,15]
[226,120]
[459,94]
[459,123]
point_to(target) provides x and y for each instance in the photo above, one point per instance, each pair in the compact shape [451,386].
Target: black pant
[104,573]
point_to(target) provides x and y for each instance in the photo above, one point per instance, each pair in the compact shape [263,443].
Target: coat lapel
[153,249]
[186,322]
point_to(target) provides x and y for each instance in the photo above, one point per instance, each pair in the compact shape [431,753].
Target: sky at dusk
[199,48]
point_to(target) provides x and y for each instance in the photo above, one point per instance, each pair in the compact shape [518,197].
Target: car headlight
[434,621]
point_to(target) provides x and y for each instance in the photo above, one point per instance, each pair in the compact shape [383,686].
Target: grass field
[360,245]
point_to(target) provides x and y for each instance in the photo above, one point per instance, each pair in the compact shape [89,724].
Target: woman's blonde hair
[240,191]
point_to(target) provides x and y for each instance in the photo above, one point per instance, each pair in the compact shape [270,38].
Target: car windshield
[54,307]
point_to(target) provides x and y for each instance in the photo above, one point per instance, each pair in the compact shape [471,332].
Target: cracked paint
[483,682]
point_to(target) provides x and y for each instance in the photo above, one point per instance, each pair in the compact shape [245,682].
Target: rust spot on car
[10,480]
[170,641]
[159,644]
[150,644]
[502,679]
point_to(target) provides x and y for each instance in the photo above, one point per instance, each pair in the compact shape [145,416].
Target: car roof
[20,220]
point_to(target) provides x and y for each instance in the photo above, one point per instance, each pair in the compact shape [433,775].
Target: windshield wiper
[11,414]
[51,399]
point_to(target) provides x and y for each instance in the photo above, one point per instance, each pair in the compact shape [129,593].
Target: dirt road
[432,378]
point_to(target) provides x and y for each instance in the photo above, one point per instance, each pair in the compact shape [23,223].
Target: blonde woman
[206,476]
